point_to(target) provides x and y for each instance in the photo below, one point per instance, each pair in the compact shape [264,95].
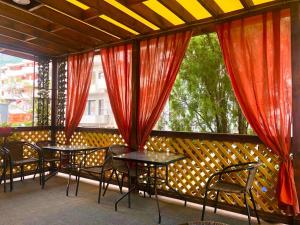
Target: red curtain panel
[80,68]
[160,60]
[117,66]
[257,54]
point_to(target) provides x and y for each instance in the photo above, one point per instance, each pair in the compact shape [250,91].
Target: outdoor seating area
[151,150]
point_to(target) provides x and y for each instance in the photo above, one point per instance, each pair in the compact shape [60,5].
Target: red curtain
[79,79]
[160,60]
[117,65]
[257,54]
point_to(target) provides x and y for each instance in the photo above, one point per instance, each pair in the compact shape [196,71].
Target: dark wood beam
[6,40]
[27,50]
[103,7]
[91,17]
[131,2]
[72,23]
[22,37]
[17,54]
[247,3]
[28,23]
[150,15]
[295,42]
[212,7]
[178,10]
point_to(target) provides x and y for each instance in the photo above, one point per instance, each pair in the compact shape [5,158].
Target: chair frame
[100,176]
[248,166]
[7,155]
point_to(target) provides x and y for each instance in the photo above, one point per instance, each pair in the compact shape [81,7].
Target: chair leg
[247,207]
[254,206]
[204,204]
[22,172]
[100,186]
[120,184]
[11,177]
[35,172]
[216,201]
[108,182]
[77,185]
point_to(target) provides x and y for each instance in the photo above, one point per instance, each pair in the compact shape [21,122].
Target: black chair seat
[25,161]
[227,187]
[96,169]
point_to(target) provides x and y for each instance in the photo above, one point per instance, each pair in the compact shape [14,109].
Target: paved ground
[29,205]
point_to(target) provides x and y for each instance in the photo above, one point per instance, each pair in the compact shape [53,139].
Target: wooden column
[54,99]
[135,88]
[295,27]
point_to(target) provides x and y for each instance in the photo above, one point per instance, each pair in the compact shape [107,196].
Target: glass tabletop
[70,148]
[158,158]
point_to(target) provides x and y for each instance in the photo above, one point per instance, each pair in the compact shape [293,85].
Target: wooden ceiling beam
[17,54]
[247,3]
[72,23]
[28,23]
[92,17]
[212,7]
[178,9]
[107,9]
[150,15]
[14,44]
[22,37]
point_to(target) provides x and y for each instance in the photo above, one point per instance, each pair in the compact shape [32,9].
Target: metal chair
[49,158]
[95,171]
[230,187]
[14,151]
[3,166]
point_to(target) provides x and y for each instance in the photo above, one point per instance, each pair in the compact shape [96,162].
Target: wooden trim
[295,47]
[184,135]
[36,128]
[18,54]
[247,3]
[212,7]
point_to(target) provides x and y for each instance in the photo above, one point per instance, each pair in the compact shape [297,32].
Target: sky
[4,59]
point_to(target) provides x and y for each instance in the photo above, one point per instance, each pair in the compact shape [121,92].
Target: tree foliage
[202,99]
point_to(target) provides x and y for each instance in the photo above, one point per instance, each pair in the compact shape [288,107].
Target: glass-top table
[152,160]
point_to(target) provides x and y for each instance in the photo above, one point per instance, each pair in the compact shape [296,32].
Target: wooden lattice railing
[206,154]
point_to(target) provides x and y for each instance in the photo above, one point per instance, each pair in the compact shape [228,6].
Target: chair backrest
[46,153]
[16,149]
[117,150]
[252,169]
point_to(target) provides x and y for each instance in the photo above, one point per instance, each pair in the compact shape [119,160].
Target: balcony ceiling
[58,27]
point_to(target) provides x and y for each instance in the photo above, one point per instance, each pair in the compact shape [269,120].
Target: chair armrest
[240,166]
[226,170]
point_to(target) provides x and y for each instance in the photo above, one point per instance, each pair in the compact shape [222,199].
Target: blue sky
[4,59]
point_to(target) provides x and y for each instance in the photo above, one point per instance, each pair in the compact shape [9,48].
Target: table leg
[155,191]
[70,157]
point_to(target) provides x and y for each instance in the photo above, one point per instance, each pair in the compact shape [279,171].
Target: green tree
[202,99]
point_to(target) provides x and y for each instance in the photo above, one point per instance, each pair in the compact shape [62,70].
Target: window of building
[16,96]
[101,107]
[98,111]
[91,107]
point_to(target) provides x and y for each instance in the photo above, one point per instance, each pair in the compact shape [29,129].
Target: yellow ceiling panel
[118,24]
[79,4]
[194,8]
[257,2]
[132,14]
[163,11]
[229,5]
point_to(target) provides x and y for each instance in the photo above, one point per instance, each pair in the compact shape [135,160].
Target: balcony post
[54,100]
[135,91]
[295,46]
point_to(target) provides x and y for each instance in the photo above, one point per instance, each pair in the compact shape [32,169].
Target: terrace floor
[29,205]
